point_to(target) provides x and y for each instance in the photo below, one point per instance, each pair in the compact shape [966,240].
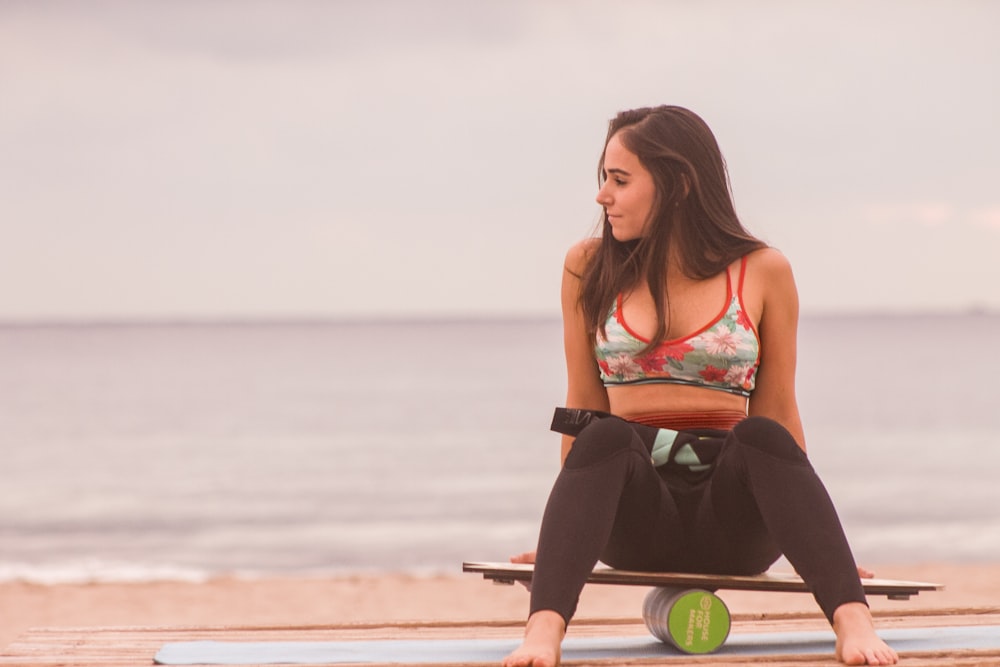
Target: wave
[87,571]
[94,571]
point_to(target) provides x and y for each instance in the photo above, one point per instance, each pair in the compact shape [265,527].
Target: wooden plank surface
[510,572]
[134,646]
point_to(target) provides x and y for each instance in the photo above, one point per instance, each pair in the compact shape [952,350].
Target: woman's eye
[619,181]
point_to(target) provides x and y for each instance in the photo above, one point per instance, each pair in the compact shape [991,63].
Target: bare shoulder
[580,254]
[769,283]
[769,263]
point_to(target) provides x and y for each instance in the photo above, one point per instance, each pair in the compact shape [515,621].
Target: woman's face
[628,192]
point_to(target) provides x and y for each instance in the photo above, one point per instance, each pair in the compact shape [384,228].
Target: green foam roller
[690,619]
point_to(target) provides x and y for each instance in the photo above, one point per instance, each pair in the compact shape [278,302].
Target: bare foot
[857,643]
[542,638]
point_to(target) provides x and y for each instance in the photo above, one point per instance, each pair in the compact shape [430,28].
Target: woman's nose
[602,196]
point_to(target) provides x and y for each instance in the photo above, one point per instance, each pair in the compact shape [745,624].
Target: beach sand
[399,597]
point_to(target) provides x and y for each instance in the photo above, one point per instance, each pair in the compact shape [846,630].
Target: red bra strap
[743,271]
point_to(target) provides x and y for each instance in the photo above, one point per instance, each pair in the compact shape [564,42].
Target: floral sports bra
[722,355]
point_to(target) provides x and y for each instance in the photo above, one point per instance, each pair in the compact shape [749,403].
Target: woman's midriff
[690,407]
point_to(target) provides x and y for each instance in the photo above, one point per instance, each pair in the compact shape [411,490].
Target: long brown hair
[679,150]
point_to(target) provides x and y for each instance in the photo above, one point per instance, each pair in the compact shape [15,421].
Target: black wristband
[570,421]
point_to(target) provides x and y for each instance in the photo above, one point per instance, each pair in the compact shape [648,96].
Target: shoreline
[396,597]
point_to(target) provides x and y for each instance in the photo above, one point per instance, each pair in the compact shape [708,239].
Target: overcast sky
[231,159]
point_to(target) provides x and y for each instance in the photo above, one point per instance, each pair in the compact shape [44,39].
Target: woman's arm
[774,393]
[583,381]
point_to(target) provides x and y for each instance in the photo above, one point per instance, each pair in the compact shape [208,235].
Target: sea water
[183,451]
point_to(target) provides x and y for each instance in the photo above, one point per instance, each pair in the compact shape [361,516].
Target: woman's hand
[528,557]
[863,573]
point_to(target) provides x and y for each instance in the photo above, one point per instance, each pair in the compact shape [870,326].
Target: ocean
[185,451]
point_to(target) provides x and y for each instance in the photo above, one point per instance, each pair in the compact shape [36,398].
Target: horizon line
[420,318]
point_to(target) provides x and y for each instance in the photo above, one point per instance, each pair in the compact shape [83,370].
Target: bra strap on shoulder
[743,272]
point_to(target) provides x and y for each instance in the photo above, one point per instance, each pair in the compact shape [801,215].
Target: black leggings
[760,499]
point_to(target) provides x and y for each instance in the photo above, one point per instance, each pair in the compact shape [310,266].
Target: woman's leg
[764,482]
[764,489]
[608,502]
[607,491]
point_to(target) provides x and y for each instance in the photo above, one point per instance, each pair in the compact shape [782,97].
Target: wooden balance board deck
[682,609]
[508,573]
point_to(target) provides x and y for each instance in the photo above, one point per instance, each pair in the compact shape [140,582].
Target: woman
[682,326]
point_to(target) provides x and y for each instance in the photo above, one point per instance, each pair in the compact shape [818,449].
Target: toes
[879,657]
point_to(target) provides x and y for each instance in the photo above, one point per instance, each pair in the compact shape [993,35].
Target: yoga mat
[424,651]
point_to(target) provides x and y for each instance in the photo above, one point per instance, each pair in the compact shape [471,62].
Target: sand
[399,597]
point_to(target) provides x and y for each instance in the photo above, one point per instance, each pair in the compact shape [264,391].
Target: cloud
[988,217]
[264,31]
[925,214]
[930,215]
